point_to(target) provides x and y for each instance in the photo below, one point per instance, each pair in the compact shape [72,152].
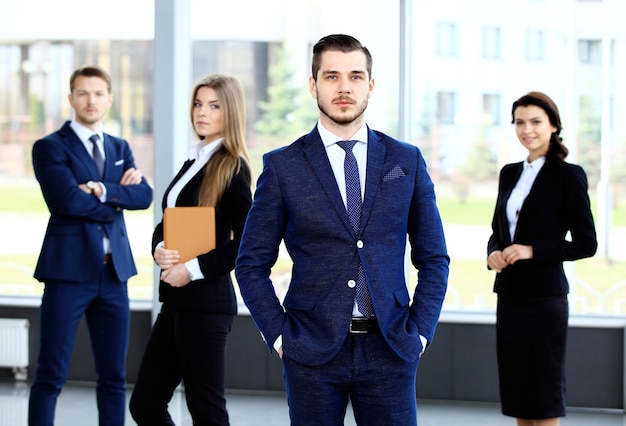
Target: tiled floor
[77,407]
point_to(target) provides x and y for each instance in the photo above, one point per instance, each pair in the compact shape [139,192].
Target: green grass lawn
[470,284]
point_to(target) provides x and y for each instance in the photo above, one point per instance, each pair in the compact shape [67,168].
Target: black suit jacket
[558,202]
[215,292]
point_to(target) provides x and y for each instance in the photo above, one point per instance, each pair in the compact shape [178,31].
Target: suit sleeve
[53,168]
[129,197]
[258,252]
[495,239]
[578,220]
[428,254]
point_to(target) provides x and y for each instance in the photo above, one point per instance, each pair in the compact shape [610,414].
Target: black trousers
[187,346]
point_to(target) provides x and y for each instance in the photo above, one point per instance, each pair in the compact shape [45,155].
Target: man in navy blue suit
[344,199]
[87,178]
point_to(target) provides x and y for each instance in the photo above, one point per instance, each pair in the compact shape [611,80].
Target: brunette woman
[540,200]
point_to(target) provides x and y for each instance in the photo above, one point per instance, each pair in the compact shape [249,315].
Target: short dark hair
[557,150]
[338,42]
[90,71]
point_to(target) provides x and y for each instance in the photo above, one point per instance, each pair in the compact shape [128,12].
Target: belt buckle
[352,331]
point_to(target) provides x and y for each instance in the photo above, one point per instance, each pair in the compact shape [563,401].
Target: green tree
[289,110]
[589,133]
[481,165]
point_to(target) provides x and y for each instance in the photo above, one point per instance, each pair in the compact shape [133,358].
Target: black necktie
[353,206]
[97,155]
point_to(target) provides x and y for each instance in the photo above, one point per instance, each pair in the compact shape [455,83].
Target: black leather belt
[363,325]
[107,258]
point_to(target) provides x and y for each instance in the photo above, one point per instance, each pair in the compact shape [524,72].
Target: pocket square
[119,162]
[394,173]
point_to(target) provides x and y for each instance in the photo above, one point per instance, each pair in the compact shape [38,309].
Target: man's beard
[343,119]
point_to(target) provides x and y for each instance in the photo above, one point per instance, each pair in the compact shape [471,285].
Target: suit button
[351,283]
[359,244]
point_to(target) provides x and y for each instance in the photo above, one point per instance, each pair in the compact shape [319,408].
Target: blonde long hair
[228,158]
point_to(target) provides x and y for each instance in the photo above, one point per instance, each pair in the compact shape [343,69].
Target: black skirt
[531,337]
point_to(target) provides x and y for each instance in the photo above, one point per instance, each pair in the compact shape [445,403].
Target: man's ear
[313,87]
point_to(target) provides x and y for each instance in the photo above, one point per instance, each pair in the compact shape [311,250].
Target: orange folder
[190,230]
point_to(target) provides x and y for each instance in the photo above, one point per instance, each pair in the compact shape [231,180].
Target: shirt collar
[85,133]
[535,166]
[203,150]
[329,138]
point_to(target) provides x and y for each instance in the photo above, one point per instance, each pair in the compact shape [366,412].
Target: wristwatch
[92,186]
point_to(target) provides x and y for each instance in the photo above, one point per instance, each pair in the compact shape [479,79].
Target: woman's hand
[496,261]
[176,276]
[166,258]
[516,252]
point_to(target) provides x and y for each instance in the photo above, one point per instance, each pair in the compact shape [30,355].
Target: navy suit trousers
[366,371]
[104,303]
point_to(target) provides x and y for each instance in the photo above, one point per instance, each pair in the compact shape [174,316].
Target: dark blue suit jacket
[297,199]
[558,202]
[72,249]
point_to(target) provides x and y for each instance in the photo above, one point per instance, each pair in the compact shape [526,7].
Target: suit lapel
[186,165]
[375,160]
[76,146]
[510,182]
[316,154]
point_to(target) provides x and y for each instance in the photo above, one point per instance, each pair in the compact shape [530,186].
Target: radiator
[14,345]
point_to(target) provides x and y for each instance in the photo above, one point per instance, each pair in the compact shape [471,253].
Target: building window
[491,109]
[446,108]
[492,43]
[446,39]
[590,51]
[535,45]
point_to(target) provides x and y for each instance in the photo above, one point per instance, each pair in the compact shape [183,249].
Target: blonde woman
[188,339]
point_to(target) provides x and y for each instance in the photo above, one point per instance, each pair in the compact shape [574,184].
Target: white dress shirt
[521,191]
[201,153]
[84,134]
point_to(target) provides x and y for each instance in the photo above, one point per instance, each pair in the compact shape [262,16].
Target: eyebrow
[531,118]
[339,72]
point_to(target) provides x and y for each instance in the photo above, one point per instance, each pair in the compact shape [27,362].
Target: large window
[446,107]
[535,45]
[492,109]
[492,43]
[590,51]
[460,109]
[446,39]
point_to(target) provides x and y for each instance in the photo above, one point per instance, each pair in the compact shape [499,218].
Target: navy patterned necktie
[353,206]
[97,155]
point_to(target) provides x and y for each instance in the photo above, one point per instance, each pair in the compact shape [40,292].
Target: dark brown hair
[341,43]
[557,150]
[90,71]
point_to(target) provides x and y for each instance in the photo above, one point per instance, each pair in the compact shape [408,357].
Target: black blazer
[215,292]
[558,202]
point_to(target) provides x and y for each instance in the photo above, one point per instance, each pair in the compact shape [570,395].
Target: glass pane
[452,88]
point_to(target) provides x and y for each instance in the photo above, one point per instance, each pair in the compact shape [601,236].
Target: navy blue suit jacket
[297,200]
[558,202]
[72,249]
